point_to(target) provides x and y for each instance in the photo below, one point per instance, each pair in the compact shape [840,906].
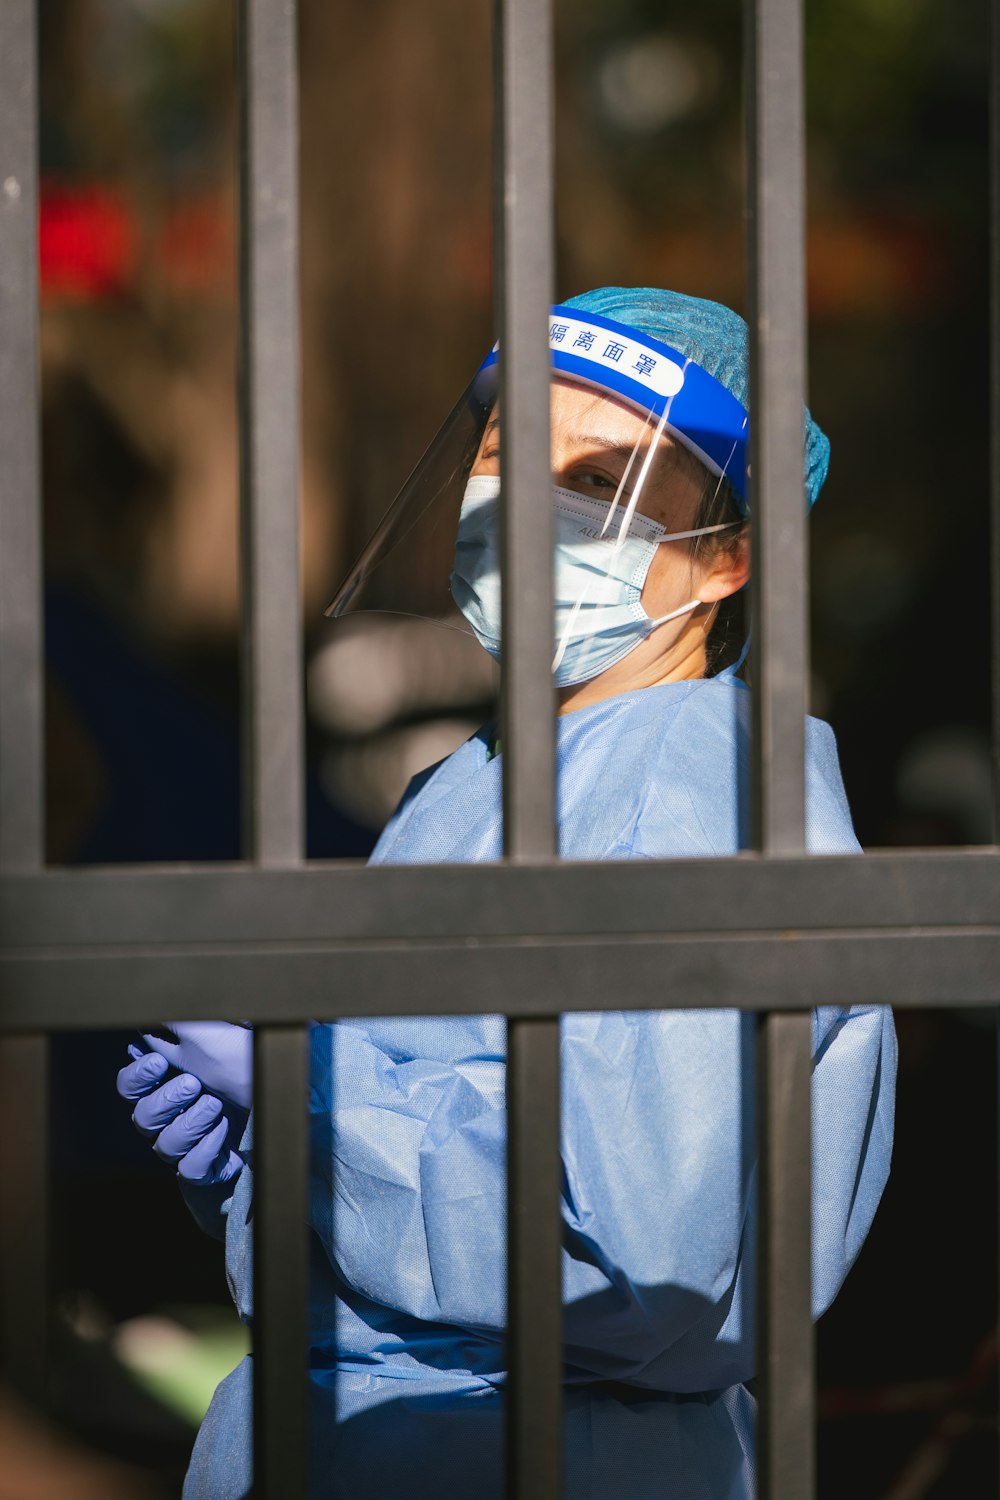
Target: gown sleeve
[660,1185]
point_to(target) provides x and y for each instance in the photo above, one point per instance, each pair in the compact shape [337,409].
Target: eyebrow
[607,445]
[585,440]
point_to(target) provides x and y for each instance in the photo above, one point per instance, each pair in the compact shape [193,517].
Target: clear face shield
[648,478]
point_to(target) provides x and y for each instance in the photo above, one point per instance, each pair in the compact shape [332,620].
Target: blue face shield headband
[635,367]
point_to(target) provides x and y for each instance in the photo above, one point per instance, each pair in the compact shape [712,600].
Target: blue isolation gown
[658,1201]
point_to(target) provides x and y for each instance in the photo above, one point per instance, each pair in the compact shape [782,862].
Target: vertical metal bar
[786,1423]
[23,1062]
[281,1271]
[995,403]
[776,285]
[269,433]
[994,191]
[21,724]
[273,773]
[524,262]
[534,1278]
[24,1213]
[776,296]
[523,230]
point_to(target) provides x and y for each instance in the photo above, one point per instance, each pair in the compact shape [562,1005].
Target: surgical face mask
[602,558]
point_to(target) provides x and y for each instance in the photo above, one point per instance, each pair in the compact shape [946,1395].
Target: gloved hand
[190,1127]
[219,1055]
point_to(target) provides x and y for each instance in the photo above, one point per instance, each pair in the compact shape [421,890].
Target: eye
[486,462]
[591,479]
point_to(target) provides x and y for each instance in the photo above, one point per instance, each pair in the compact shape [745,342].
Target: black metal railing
[24,1059]
[280,943]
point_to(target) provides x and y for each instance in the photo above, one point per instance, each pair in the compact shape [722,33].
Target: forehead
[578,413]
[590,424]
[586,421]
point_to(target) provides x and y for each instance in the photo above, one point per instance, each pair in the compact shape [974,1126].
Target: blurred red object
[196,245]
[87,242]
[89,239]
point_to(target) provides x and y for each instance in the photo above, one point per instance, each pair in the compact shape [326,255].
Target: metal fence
[276,941]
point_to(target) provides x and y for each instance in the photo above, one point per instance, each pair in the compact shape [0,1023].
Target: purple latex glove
[219,1055]
[195,1130]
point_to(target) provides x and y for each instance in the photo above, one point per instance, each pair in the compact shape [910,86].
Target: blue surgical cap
[713,336]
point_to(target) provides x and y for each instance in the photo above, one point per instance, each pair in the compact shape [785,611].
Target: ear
[726,572]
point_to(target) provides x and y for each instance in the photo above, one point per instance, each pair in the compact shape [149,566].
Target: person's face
[595,440]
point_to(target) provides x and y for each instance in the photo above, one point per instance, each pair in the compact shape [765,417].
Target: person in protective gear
[408,1127]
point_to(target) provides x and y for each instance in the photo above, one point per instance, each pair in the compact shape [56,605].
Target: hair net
[713,336]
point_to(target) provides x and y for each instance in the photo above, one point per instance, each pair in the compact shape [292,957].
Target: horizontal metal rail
[76,988]
[121,907]
[100,949]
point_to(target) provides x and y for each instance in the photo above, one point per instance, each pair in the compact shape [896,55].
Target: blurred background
[138,331]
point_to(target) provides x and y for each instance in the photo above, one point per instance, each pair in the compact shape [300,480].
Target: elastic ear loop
[675,613]
[683,536]
[678,536]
